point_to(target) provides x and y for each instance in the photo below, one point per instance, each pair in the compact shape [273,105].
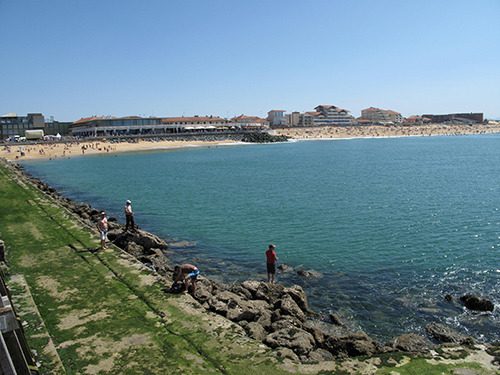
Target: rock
[288,306]
[309,274]
[334,318]
[287,353]
[410,343]
[148,240]
[320,355]
[265,320]
[319,336]
[269,292]
[256,331]
[284,268]
[443,333]
[300,341]
[234,307]
[352,344]
[448,297]
[299,296]
[263,137]
[285,322]
[251,286]
[473,302]
[241,291]
[206,288]
[134,249]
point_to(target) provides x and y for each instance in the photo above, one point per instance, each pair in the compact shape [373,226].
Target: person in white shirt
[129,215]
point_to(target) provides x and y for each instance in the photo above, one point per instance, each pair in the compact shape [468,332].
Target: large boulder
[300,341]
[473,302]
[147,240]
[288,306]
[443,333]
[235,308]
[352,344]
[299,296]
[256,331]
[134,249]
[410,343]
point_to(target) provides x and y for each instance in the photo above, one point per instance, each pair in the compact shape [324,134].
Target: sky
[165,58]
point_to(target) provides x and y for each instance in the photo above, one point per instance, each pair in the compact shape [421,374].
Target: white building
[133,125]
[276,118]
[381,116]
[249,122]
[329,115]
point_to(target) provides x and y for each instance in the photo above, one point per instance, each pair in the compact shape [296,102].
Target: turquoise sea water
[391,224]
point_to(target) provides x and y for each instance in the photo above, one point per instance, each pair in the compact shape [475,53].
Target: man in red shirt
[271,263]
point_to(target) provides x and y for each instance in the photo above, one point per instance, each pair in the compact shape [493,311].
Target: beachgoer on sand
[102,227]
[190,271]
[271,263]
[129,215]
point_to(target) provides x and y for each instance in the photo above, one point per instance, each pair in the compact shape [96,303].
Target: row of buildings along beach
[34,124]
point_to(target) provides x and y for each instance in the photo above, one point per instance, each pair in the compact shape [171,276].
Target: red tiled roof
[192,119]
[87,119]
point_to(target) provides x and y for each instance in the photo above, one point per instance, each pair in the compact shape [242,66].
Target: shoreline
[50,151]
[291,307]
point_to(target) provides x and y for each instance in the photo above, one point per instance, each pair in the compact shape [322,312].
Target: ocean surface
[390,225]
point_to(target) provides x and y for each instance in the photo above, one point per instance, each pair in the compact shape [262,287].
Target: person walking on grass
[271,263]
[102,227]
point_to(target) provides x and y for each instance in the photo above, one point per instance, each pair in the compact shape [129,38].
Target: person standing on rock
[102,227]
[129,215]
[271,263]
[191,272]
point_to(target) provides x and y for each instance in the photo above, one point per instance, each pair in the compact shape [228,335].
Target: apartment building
[395,117]
[301,119]
[329,115]
[276,118]
[381,116]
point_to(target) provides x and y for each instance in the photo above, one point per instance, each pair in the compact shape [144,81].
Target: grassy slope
[103,312]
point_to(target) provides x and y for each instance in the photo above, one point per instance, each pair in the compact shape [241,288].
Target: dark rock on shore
[473,302]
[445,334]
[410,343]
[263,138]
[353,344]
[280,317]
[309,274]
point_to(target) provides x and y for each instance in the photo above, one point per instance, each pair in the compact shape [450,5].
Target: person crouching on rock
[190,271]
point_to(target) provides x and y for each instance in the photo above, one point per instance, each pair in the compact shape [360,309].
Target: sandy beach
[387,131]
[20,151]
[81,149]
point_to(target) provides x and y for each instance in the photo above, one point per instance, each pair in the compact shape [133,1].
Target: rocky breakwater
[280,317]
[276,315]
[263,137]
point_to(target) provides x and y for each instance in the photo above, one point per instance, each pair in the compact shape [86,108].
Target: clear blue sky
[74,59]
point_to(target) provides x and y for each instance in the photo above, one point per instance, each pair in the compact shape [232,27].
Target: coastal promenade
[89,311]
[72,148]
